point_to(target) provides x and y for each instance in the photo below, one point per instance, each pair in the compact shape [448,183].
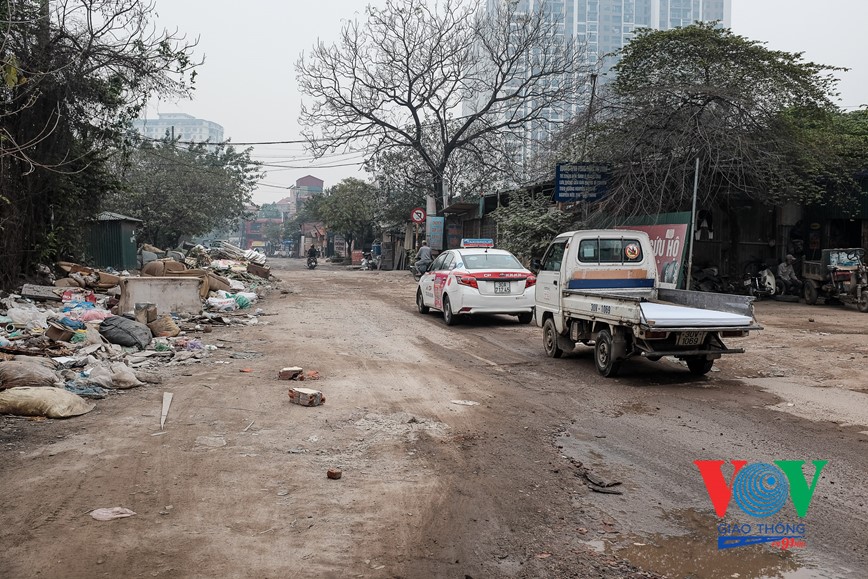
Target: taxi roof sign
[466,243]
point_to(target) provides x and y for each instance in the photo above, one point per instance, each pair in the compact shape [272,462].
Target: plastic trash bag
[125,332]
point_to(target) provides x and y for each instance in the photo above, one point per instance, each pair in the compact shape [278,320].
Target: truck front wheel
[550,339]
[699,365]
[604,355]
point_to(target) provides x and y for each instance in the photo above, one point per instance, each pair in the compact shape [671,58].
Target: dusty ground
[432,487]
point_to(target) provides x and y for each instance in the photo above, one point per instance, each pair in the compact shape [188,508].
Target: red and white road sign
[417,215]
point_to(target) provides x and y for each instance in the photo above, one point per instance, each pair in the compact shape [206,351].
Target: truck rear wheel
[810,292]
[699,365]
[862,304]
[604,355]
[550,339]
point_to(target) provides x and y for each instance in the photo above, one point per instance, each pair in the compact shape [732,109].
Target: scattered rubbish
[311,375]
[465,402]
[248,426]
[306,397]
[112,513]
[40,401]
[246,370]
[543,555]
[297,450]
[594,482]
[94,392]
[167,401]
[290,373]
[75,339]
[282,493]
[334,473]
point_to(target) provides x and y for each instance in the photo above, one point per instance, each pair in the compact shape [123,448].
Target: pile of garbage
[95,331]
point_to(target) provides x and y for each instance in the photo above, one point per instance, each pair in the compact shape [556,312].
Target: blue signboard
[434,228]
[581,181]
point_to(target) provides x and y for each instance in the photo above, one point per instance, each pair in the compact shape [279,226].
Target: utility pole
[692,226]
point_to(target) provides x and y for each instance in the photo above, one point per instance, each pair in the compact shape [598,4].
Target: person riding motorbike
[787,276]
[311,257]
[423,258]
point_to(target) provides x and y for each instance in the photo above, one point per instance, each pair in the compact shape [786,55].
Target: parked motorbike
[311,262]
[708,280]
[759,280]
[368,261]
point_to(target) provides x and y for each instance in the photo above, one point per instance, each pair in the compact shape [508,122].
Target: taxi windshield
[490,261]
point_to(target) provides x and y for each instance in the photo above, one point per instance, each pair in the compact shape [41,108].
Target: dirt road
[462,451]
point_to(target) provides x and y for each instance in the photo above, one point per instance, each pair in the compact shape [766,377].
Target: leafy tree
[701,92]
[75,73]
[179,191]
[438,78]
[274,233]
[348,208]
[528,223]
[831,156]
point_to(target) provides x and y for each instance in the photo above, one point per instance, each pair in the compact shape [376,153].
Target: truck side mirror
[535,265]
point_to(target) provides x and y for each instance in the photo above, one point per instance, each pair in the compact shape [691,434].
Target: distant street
[465,451]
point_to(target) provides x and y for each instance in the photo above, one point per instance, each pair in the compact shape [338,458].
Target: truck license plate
[690,338]
[502,287]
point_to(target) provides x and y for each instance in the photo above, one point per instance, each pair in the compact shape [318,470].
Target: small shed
[111,241]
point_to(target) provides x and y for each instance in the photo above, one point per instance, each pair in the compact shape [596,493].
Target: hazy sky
[247,83]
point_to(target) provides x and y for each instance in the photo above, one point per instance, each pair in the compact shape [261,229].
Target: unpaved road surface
[463,452]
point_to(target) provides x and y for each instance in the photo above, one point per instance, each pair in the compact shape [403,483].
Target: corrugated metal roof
[109,216]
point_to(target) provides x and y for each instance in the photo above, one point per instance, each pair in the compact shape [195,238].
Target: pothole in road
[695,555]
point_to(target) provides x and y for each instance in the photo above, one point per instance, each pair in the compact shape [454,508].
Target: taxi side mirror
[535,265]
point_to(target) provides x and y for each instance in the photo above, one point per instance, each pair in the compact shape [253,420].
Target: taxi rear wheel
[448,316]
[420,302]
[525,318]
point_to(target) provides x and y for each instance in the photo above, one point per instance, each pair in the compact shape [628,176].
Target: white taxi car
[477,279]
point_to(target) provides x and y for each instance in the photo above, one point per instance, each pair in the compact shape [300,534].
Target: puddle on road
[695,555]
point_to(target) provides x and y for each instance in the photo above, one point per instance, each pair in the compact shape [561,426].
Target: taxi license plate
[502,287]
[690,338]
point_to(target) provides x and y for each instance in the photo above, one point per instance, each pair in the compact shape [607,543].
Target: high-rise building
[605,26]
[180,126]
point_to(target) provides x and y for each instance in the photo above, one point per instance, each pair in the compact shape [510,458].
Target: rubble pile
[94,332]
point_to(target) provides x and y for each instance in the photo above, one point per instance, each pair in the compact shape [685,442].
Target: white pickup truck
[601,287]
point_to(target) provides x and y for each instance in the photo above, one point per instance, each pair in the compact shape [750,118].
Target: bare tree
[436,78]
